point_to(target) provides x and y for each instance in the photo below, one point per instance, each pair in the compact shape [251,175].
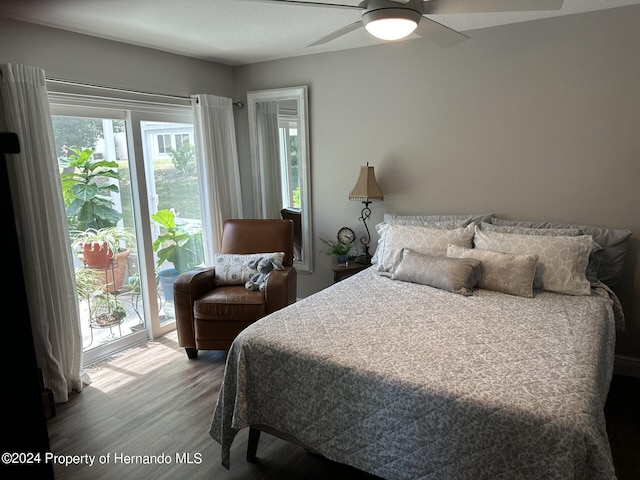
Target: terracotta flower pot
[97,254]
[116,279]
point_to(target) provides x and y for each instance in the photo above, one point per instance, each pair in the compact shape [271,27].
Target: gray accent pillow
[457,275]
[443,224]
[614,242]
[562,261]
[568,232]
[471,218]
[502,272]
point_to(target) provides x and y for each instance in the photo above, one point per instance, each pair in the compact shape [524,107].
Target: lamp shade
[366,189]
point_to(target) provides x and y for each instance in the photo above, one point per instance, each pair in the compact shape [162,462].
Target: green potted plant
[87,185]
[105,309]
[87,282]
[337,249]
[177,246]
[103,248]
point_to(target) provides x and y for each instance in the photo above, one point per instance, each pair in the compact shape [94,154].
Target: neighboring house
[161,136]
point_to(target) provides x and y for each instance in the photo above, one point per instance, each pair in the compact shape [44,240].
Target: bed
[404,375]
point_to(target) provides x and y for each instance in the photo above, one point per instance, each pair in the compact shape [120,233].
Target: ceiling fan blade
[310,4]
[443,7]
[438,33]
[337,33]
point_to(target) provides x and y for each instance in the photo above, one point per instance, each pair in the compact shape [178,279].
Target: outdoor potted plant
[87,185]
[176,245]
[103,248]
[105,309]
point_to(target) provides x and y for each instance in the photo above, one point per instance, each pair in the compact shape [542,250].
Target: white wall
[536,120]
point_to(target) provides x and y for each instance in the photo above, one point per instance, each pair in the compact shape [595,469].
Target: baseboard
[628,366]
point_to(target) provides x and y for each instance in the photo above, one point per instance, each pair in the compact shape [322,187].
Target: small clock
[346,236]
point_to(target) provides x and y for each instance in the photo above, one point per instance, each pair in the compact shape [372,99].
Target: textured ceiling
[238,32]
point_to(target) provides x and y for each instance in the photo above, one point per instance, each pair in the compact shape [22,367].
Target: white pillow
[233,269]
[562,261]
[403,220]
[431,241]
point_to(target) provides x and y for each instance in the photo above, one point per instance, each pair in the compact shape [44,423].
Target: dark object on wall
[25,439]
[295,215]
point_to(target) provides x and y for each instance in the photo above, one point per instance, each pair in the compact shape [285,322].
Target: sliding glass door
[123,170]
[172,196]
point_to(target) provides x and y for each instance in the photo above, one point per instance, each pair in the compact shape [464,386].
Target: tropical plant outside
[177,245]
[113,237]
[87,187]
[107,309]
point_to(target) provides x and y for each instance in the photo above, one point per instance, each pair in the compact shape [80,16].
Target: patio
[96,335]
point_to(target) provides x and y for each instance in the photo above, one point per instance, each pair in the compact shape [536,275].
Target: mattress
[406,381]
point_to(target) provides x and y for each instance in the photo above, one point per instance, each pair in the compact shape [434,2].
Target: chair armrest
[188,287]
[280,290]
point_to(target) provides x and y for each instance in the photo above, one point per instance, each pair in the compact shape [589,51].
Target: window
[164,143]
[132,139]
[182,139]
[289,163]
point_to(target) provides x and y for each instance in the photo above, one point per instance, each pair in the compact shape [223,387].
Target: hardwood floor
[150,400]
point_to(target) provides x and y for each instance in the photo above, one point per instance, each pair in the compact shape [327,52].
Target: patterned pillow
[432,241]
[457,275]
[233,269]
[595,258]
[501,272]
[475,218]
[562,261]
[613,241]
[443,224]
[567,232]
[397,220]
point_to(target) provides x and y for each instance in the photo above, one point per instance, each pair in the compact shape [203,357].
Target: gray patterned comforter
[405,381]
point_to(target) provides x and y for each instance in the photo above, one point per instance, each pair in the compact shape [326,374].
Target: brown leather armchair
[209,317]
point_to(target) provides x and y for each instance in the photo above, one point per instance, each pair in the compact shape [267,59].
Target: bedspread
[406,381]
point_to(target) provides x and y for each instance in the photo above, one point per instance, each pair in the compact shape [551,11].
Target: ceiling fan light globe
[390,23]
[391,28]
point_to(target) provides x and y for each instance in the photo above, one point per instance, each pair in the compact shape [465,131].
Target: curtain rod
[239,105]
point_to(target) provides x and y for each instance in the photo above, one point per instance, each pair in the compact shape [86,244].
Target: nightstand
[340,272]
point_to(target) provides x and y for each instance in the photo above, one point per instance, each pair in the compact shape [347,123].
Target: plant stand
[104,317]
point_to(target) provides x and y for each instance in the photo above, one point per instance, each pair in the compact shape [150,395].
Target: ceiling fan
[396,19]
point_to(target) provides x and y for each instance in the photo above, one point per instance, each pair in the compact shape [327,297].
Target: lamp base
[364,259]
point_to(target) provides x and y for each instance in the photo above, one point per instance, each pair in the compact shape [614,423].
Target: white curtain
[217,160]
[268,146]
[42,231]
